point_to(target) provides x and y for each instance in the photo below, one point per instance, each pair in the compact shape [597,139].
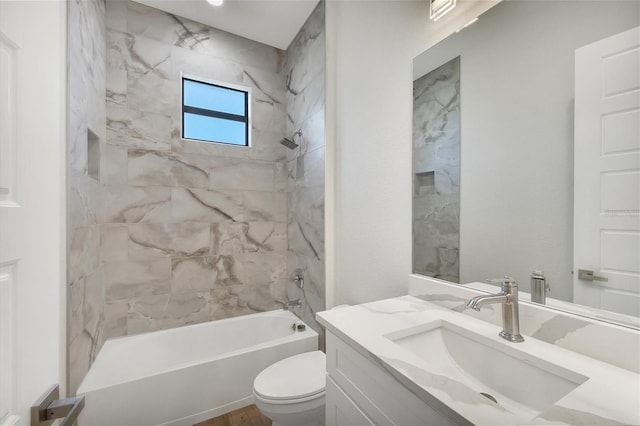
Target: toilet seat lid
[295,377]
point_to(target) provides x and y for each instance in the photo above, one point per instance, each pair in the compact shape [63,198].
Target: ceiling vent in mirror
[439,8]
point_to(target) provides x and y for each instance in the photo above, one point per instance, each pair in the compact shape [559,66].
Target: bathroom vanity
[408,360]
[360,391]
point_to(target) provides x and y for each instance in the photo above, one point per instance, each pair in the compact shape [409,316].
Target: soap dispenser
[539,287]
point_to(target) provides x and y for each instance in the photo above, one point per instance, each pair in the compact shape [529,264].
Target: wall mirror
[526,154]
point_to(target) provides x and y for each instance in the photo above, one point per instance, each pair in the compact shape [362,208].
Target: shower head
[291,142]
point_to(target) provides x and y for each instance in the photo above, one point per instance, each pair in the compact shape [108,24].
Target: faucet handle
[506,281]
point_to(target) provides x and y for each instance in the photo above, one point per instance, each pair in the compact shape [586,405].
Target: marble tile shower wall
[436,173]
[87,52]
[304,68]
[193,231]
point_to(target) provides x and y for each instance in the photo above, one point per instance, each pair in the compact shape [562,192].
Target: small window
[215,112]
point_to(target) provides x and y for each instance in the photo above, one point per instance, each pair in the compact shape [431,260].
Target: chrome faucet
[292,304]
[509,299]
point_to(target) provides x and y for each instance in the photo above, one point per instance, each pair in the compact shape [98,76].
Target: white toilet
[291,391]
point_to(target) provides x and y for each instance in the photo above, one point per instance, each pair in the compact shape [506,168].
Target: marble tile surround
[436,172]
[85,273]
[193,231]
[304,168]
[177,232]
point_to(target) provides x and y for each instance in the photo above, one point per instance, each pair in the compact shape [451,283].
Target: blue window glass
[213,113]
[215,129]
[215,98]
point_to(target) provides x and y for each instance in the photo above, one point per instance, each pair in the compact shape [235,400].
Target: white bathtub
[184,375]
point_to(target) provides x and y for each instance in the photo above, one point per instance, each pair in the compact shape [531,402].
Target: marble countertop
[609,396]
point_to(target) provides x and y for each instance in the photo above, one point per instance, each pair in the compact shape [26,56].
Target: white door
[607,173]
[32,220]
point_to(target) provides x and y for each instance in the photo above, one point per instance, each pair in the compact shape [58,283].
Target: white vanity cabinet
[340,409]
[361,392]
[409,362]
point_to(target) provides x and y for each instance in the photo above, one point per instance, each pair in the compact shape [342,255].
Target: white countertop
[610,396]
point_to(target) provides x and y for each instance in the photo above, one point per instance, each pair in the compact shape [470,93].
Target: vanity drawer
[341,410]
[378,394]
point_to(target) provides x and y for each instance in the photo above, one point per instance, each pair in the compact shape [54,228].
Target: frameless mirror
[526,153]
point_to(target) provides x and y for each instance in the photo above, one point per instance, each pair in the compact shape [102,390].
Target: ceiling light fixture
[439,8]
[215,2]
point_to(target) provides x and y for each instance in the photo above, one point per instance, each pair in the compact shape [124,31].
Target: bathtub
[185,375]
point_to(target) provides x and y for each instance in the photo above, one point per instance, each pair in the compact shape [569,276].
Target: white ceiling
[272,22]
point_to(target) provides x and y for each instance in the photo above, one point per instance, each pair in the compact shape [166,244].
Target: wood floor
[247,416]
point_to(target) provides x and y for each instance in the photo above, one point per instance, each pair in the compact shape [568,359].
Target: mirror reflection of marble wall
[436,172]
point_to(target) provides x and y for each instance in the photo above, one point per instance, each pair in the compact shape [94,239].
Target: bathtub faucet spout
[292,304]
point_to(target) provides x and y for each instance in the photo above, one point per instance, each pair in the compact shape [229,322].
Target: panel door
[607,173]
[32,226]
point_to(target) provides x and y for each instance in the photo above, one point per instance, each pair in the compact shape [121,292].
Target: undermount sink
[517,381]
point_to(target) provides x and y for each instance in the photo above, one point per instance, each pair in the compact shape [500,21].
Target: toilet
[291,391]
